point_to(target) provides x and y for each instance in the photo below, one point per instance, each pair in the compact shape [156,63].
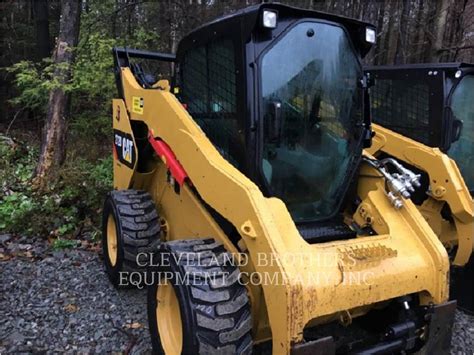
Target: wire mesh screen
[208,89]
[403,106]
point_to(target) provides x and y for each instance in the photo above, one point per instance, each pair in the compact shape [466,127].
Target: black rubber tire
[215,313]
[461,287]
[138,233]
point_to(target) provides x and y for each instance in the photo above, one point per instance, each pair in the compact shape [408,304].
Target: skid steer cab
[424,117]
[243,200]
[431,104]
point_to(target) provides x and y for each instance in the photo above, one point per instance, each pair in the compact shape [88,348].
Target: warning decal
[137,104]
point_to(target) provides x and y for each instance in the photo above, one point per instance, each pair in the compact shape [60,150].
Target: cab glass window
[312,118]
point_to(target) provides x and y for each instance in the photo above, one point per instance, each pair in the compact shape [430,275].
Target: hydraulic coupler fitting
[412,179]
[401,184]
[398,185]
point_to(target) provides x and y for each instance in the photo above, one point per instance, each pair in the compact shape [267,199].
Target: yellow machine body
[446,187]
[306,284]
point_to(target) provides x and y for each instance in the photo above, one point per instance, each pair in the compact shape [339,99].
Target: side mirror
[274,124]
[456,130]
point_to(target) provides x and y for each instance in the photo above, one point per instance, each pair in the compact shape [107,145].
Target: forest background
[56,86]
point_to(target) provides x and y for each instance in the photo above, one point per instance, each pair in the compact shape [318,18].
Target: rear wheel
[198,306]
[130,234]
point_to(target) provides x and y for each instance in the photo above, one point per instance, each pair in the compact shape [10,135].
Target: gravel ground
[463,334]
[61,301]
[64,303]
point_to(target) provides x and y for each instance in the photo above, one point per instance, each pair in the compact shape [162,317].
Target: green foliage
[14,207]
[59,244]
[32,85]
[73,204]
[94,88]
[93,77]
[92,83]
[34,81]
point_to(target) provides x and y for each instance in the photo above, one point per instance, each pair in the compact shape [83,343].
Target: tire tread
[140,225]
[221,304]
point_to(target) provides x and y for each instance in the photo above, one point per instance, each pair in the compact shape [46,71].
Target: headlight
[370,35]
[269,19]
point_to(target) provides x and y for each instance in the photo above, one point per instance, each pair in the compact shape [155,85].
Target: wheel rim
[168,317]
[111,240]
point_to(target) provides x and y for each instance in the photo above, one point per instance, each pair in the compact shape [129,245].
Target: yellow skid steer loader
[424,115]
[243,199]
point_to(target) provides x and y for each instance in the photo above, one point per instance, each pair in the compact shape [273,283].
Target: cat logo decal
[124,148]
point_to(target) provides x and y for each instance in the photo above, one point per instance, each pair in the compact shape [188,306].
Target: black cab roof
[246,20]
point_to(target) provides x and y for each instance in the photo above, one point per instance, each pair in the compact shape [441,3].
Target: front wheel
[198,306]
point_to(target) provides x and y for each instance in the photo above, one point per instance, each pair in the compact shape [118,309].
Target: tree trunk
[420,41]
[393,33]
[40,9]
[439,30]
[53,144]
[114,20]
[467,43]
[378,52]
[402,45]
[173,27]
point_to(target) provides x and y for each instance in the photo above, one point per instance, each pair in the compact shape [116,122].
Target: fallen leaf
[134,325]
[4,257]
[71,308]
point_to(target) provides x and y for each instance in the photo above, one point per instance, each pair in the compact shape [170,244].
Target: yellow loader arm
[446,186]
